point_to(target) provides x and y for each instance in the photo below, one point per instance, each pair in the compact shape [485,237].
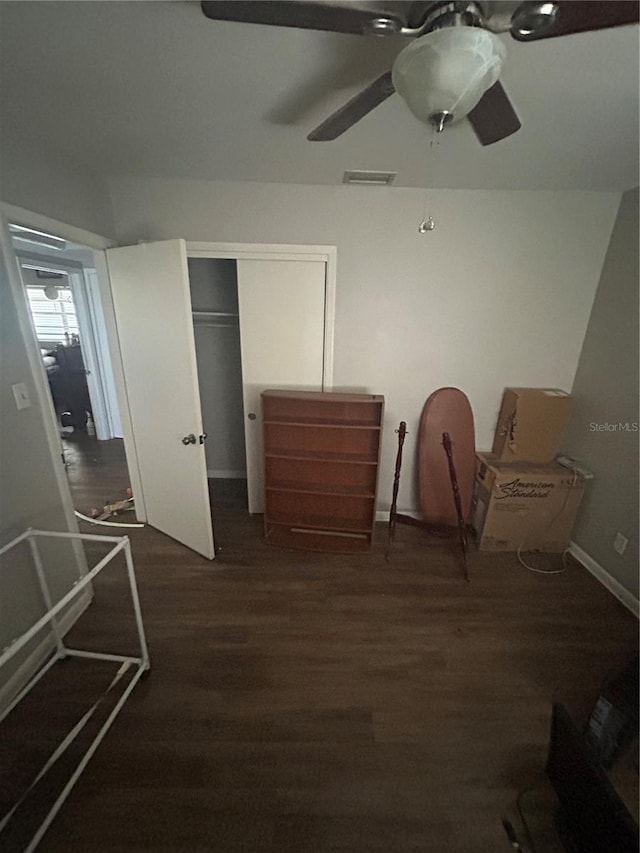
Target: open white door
[282,311]
[152,305]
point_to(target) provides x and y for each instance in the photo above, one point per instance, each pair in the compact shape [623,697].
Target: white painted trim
[258,256]
[90,356]
[226,474]
[331,278]
[49,262]
[113,341]
[327,255]
[32,663]
[61,229]
[606,579]
[103,353]
[260,251]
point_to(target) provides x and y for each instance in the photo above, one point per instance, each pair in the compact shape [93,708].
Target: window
[55,319]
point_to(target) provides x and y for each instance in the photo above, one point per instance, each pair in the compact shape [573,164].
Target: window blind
[53,318]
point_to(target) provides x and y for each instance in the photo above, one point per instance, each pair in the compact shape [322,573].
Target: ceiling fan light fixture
[448,71]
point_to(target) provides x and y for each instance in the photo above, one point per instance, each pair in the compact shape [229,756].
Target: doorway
[286,313]
[213,283]
[61,292]
[55,321]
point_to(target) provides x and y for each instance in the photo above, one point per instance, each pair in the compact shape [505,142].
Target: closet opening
[213,284]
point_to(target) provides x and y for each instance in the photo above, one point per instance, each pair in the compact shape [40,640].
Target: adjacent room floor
[307,702]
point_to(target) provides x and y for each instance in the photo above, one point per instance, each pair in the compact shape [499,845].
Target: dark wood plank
[311,702]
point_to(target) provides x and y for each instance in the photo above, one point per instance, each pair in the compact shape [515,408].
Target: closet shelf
[330,489]
[330,523]
[330,423]
[322,456]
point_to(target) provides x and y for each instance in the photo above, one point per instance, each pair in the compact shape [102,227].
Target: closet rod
[213,314]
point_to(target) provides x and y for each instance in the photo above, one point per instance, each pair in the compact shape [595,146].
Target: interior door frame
[38,377]
[98,244]
[77,282]
[287,252]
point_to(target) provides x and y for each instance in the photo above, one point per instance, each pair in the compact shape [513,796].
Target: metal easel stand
[140,662]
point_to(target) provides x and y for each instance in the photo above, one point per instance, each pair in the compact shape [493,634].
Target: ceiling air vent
[358,177]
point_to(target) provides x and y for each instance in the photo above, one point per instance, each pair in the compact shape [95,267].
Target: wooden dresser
[321,469]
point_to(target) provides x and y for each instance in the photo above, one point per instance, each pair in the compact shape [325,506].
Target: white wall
[31,179]
[606,392]
[33,487]
[499,294]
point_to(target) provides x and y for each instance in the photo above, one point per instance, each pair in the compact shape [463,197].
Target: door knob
[252,416]
[189,439]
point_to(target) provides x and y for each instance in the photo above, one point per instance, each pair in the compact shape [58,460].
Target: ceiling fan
[450,68]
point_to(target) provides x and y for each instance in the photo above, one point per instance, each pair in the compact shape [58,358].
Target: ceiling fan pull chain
[428,222]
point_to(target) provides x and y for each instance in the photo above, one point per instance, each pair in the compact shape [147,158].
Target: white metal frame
[141,661]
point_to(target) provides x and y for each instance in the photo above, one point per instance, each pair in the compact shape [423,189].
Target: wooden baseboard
[606,579]
[10,689]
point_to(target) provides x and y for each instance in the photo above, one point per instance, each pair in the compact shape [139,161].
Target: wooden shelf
[331,524]
[313,540]
[323,422]
[310,455]
[321,464]
[329,489]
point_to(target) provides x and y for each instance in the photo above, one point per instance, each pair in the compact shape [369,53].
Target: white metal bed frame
[141,662]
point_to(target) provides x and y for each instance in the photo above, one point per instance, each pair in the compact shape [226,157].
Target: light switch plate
[620,543]
[21,394]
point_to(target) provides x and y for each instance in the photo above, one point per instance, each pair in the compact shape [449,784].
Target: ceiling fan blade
[296,13]
[579,16]
[417,12]
[354,110]
[494,117]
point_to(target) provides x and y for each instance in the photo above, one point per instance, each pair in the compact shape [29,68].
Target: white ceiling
[156,89]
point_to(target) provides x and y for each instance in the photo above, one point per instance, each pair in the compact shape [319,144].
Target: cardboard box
[531,423]
[525,505]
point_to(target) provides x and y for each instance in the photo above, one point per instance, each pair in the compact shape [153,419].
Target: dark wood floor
[302,702]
